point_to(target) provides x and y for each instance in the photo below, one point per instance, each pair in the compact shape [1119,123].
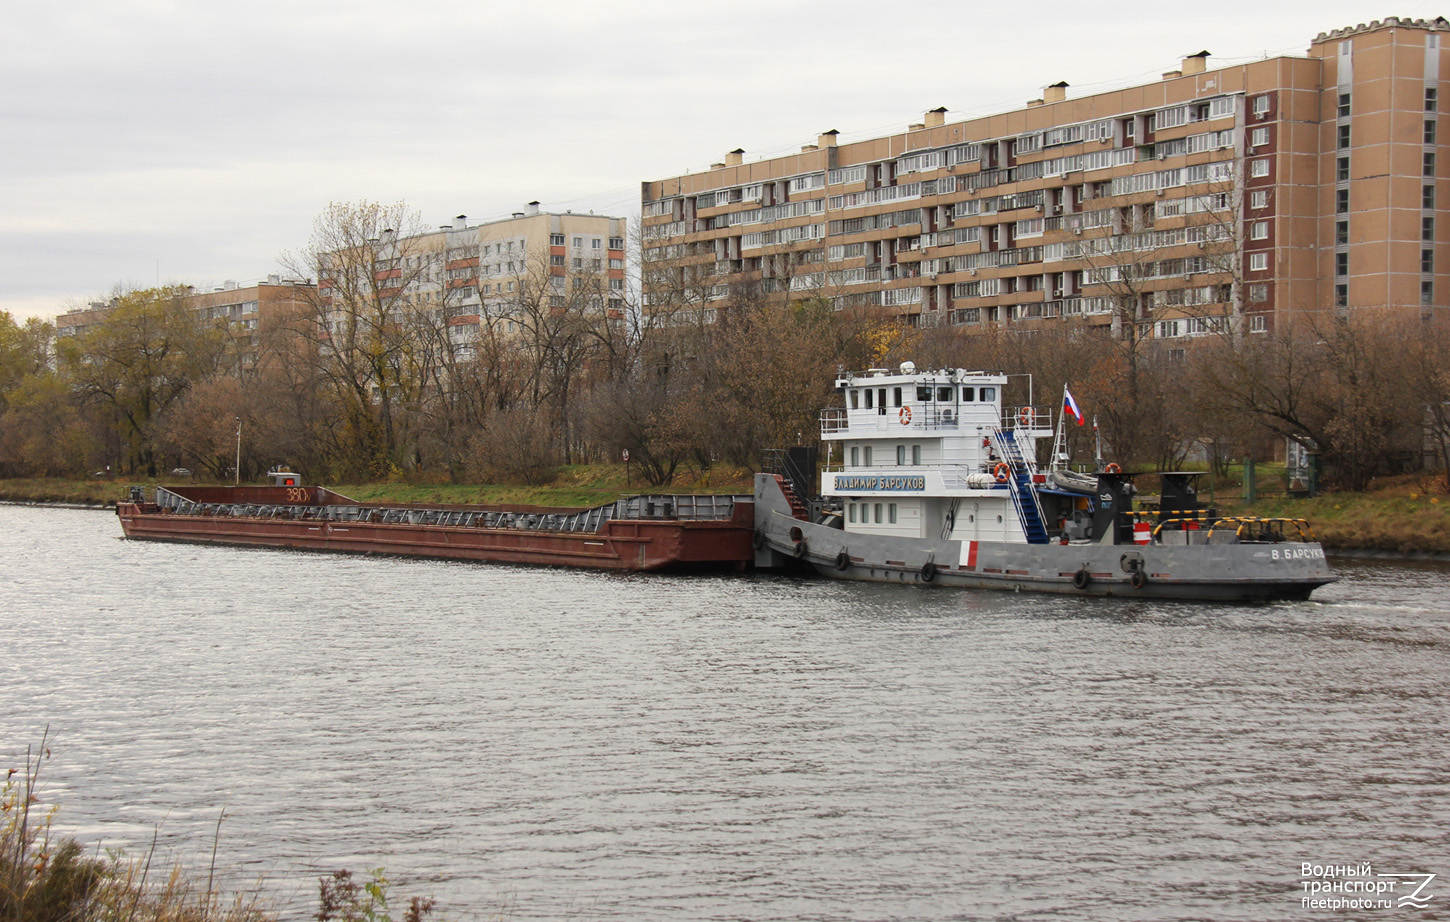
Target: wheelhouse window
[897,397]
[969,394]
[988,394]
[855,400]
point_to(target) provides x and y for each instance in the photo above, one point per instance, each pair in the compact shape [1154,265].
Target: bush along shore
[1407,516]
[47,877]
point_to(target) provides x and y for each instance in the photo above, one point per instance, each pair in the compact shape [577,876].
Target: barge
[647,532]
[936,482]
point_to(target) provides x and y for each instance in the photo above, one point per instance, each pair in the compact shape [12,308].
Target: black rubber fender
[1138,580]
[928,571]
[1082,579]
[759,540]
[843,560]
[800,548]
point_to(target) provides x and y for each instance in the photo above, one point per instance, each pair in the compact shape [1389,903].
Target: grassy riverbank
[1409,515]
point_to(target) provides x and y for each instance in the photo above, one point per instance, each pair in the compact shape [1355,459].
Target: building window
[1344,105]
[1341,295]
[1259,199]
[1261,105]
[1259,168]
[1427,229]
[1429,131]
[1427,293]
[1344,137]
[1427,260]
[1341,233]
[1341,170]
[1260,137]
[579,243]
[1427,196]
[1258,324]
[616,264]
[1258,262]
[616,243]
[556,240]
[1167,329]
[1258,292]
[1341,264]
[1341,201]
[556,260]
[1259,230]
[1430,98]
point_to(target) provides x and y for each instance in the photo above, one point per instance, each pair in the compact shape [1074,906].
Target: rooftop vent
[1055,93]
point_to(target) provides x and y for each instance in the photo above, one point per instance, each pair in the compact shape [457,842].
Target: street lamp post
[239,451]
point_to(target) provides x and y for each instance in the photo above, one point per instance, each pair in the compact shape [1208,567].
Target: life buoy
[905,415]
[1112,468]
[800,549]
[1138,580]
[928,571]
[1002,473]
[843,560]
[1081,579]
[1024,416]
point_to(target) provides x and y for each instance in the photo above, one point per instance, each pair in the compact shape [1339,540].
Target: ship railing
[1252,529]
[1027,417]
[931,417]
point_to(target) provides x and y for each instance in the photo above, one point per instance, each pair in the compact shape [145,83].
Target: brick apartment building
[1247,195]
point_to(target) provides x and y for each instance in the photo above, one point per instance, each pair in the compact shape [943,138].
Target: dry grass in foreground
[49,878]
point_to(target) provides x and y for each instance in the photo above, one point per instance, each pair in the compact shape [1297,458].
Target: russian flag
[1069,406]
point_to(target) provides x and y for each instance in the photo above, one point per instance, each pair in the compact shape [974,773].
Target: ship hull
[638,544]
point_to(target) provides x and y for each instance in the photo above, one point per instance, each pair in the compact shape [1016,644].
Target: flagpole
[1059,449]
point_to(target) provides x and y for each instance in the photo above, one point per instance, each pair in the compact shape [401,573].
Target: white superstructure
[934,455]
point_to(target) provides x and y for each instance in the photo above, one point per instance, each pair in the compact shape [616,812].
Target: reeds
[45,877]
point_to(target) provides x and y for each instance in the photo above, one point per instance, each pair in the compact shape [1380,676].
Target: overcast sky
[146,142]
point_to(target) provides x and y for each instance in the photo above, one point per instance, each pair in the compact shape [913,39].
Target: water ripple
[568,745]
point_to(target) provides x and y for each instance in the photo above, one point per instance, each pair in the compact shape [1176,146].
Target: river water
[552,744]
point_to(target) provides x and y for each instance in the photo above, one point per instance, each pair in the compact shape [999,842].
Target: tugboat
[935,482]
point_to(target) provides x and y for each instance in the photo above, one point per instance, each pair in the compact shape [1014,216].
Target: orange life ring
[1024,416]
[1002,472]
[905,416]
[1112,468]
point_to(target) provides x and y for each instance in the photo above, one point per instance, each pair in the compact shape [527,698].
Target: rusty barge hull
[645,537]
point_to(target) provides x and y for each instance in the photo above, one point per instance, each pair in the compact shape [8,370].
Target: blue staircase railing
[1024,494]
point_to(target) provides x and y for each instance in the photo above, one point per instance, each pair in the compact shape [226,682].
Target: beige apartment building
[240,307]
[1241,197]
[483,277]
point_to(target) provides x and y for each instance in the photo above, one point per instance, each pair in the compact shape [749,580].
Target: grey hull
[1226,571]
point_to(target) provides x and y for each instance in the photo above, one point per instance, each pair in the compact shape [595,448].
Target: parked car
[181,472]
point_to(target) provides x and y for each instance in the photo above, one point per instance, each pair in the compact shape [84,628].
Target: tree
[367,259]
[149,350]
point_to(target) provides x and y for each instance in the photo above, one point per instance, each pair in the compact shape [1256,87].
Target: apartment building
[241,308]
[486,276]
[1245,196]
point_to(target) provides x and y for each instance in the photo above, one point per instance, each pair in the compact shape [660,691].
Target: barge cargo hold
[644,532]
